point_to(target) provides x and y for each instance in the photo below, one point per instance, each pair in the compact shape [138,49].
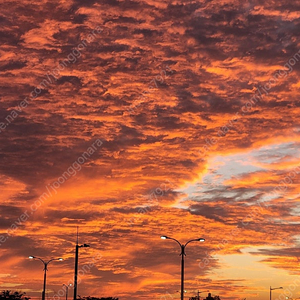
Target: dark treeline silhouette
[96,298]
[9,295]
[209,297]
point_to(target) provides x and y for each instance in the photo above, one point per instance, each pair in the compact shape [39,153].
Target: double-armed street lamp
[67,288]
[182,247]
[45,271]
[271,289]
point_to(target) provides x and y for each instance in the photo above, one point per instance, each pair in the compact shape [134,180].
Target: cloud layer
[194,105]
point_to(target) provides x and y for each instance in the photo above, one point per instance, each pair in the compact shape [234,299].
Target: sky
[133,119]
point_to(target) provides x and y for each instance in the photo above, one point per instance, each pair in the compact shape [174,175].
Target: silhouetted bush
[9,295]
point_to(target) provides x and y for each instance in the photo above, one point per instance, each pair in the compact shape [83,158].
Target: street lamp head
[84,245]
[67,285]
[277,288]
[163,237]
[60,259]
[201,240]
[31,256]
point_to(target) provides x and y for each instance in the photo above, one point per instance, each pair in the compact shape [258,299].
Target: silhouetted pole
[44,288]
[76,265]
[76,271]
[271,289]
[182,270]
[182,247]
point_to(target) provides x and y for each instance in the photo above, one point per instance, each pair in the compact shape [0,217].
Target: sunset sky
[133,119]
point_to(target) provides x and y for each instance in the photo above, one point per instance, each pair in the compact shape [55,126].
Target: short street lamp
[182,247]
[45,271]
[272,289]
[67,287]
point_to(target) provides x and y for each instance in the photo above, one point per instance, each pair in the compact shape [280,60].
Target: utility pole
[76,265]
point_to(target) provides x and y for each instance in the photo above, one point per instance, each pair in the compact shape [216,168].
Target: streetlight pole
[76,265]
[67,287]
[182,247]
[182,269]
[44,286]
[45,271]
[271,289]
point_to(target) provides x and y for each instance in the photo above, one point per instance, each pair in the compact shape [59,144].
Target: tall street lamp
[67,287]
[272,289]
[76,266]
[45,271]
[182,247]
